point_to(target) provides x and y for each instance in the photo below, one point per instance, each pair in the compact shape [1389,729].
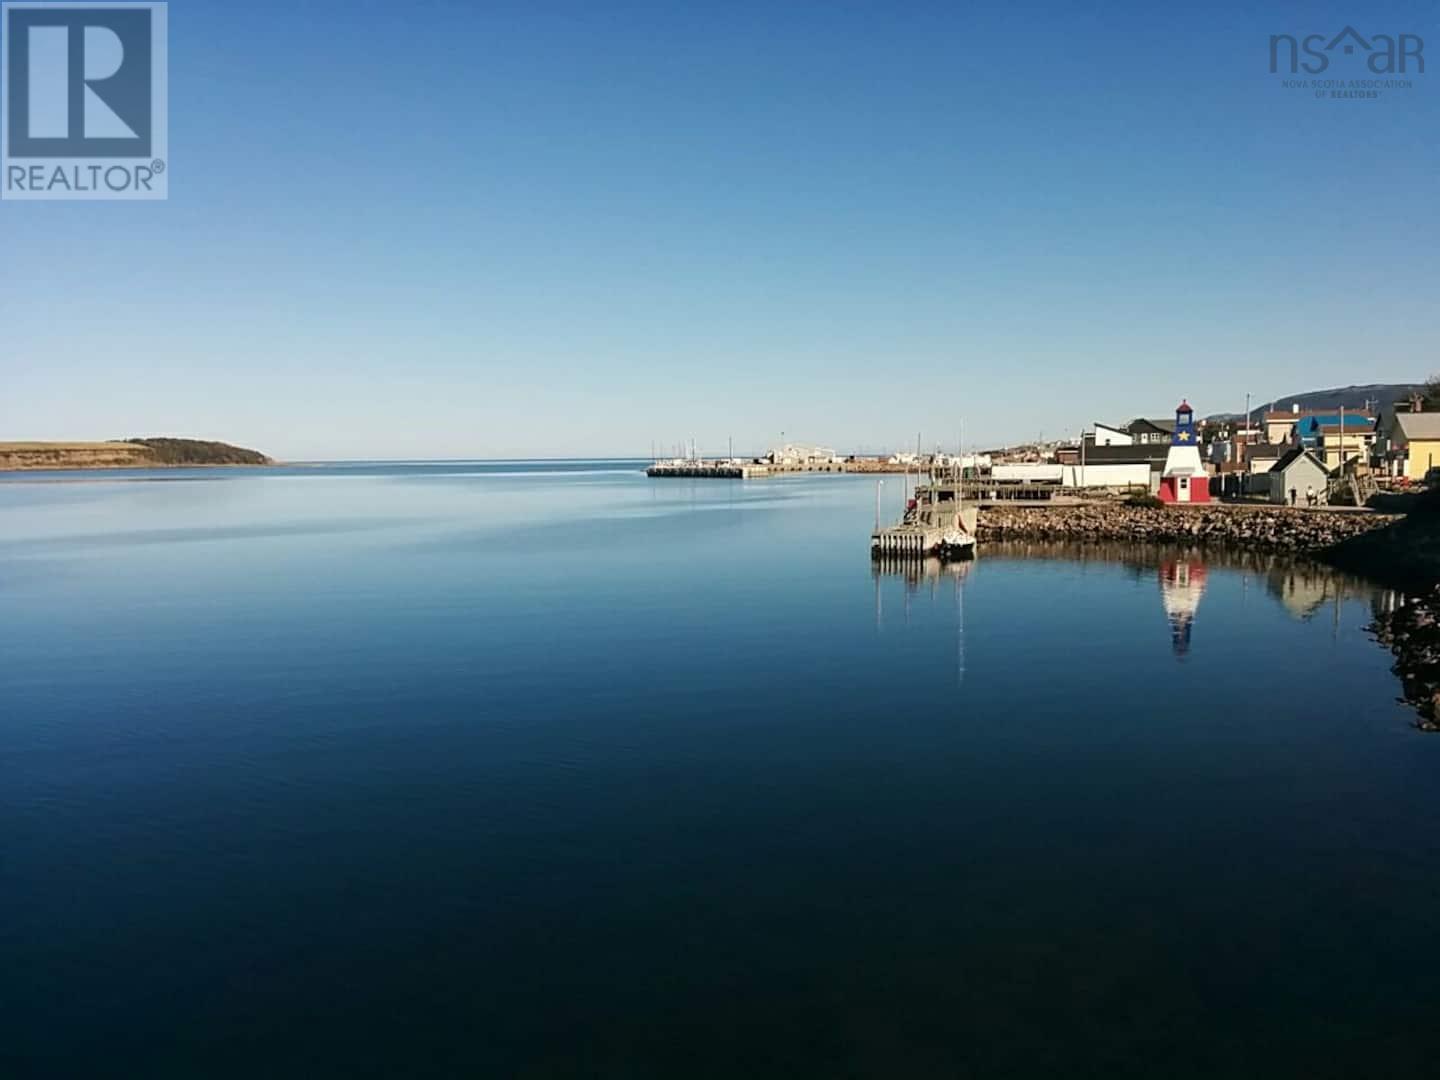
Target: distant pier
[739,470]
[709,470]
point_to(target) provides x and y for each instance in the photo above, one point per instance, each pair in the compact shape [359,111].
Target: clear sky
[471,228]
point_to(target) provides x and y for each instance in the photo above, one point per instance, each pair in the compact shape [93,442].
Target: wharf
[937,511]
[709,470]
[738,470]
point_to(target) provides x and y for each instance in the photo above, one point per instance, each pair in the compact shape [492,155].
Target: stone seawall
[1264,528]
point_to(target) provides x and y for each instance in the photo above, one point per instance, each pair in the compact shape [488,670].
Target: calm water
[546,769]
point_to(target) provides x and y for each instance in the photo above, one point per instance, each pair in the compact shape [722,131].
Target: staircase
[1353,487]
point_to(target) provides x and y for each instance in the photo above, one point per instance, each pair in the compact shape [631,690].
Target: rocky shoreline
[1265,528]
[1412,633]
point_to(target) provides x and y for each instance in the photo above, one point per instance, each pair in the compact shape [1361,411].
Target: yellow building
[1411,444]
[1334,449]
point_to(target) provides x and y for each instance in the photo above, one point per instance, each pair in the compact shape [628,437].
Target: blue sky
[462,229]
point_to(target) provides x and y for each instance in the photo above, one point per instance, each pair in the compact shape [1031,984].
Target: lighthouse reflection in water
[1182,584]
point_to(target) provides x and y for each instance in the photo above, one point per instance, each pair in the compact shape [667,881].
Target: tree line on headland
[126,454]
[168,451]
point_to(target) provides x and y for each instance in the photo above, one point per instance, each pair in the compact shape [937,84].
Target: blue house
[1309,428]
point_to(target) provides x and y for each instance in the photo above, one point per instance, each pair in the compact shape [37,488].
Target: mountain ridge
[1379,395]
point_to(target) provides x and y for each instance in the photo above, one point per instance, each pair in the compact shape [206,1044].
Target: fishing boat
[956,544]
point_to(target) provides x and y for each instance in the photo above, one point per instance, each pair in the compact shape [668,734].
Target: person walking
[1292,496]
[1309,494]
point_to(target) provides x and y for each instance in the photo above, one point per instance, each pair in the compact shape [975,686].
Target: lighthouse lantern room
[1184,479]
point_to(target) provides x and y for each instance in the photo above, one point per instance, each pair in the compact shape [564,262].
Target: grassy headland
[125,454]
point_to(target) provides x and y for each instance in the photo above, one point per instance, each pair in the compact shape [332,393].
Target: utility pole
[1342,438]
[1238,456]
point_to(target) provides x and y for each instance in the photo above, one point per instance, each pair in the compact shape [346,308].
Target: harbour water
[546,769]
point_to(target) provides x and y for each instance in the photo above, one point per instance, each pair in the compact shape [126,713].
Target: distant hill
[125,454]
[199,452]
[1351,397]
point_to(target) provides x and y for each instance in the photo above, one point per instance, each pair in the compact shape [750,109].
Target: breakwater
[1263,528]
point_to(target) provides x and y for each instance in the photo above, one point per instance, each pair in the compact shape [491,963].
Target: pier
[709,470]
[739,470]
[935,520]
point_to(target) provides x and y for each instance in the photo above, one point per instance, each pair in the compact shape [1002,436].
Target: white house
[1105,435]
[802,454]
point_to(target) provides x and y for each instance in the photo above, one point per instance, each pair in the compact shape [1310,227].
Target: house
[1306,428]
[1280,426]
[1335,447]
[1105,435]
[1141,430]
[1261,459]
[1312,429]
[1411,444]
[1297,471]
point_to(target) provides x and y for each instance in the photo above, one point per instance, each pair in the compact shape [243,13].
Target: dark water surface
[547,769]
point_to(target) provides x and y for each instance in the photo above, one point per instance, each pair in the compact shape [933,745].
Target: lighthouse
[1184,479]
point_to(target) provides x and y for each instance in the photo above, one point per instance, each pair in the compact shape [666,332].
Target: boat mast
[960,474]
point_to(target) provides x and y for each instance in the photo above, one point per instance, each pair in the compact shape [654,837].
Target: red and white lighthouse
[1184,479]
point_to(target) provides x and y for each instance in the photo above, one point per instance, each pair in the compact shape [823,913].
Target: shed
[1297,470]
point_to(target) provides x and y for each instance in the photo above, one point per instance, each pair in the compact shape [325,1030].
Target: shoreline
[1291,530]
[151,452]
[113,466]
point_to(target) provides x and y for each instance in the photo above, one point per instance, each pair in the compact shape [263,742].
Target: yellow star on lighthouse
[1184,436]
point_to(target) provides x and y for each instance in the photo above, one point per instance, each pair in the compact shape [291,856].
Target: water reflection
[1302,588]
[1182,584]
[926,573]
[917,572]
